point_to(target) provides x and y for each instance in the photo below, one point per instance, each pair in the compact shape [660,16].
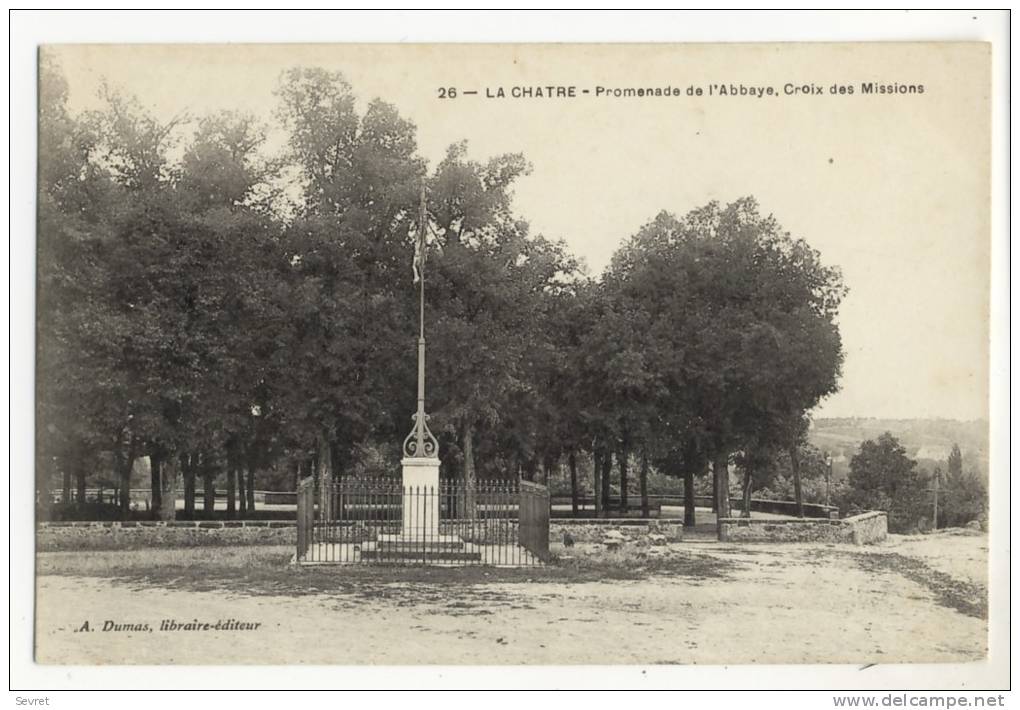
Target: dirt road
[704,603]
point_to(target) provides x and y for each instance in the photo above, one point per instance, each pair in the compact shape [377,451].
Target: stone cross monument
[421,450]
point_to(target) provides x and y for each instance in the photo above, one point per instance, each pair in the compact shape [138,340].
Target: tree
[222,311]
[620,385]
[90,395]
[742,321]
[965,496]
[757,463]
[954,464]
[488,288]
[883,477]
[348,255]
[780,482]
[62,432]
[165,254]
[222,191]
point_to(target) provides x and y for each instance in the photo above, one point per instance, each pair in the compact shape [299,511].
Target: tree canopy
[232,312]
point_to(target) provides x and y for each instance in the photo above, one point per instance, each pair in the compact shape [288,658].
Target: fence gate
[354,520]
[534,524]
[305,515]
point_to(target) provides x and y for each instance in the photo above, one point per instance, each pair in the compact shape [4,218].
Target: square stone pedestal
[420,499]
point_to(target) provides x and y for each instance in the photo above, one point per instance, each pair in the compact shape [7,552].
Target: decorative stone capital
[419,463]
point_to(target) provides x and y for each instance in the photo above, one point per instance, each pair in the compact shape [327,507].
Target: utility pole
[828,476]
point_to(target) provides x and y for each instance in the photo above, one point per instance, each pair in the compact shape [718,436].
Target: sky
[893,189]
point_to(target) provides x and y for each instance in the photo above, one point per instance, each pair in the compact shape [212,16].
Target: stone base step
[420,546]
[419,555]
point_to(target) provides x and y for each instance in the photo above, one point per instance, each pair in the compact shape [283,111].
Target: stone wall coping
[782,521]
[218,524]
[805,521]
[865,516]
[192,524]
[635,522]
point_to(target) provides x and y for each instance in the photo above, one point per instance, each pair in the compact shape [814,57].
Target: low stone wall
[861,529]
[77,536]
[74,536]
[627,529]
[869,527]
[656,502]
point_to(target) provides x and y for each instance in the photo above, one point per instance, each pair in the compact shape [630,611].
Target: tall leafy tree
[350,336]
[223,194]
[71,198]
[103,205]
[744,317]
[966,494]
[489,285]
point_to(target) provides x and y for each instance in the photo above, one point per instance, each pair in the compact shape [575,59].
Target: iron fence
[379,520]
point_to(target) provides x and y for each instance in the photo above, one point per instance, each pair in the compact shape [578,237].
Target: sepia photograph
[504,354]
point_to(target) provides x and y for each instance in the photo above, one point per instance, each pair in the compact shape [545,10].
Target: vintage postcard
[513,354]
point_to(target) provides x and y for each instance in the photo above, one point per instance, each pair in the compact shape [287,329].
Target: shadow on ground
[253,571]
[964,597]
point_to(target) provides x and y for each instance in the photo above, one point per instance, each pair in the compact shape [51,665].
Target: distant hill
[926,440]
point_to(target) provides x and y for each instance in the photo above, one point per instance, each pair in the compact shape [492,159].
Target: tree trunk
[126,466]
[623,459]
[188,465]
[746,492]
[242,494]
[721,472]
[530,468]
[324,474]
[596,475]
[689,515]
[548,464]
[607,469]
[643,483]
[572,462]
[80,480]
[798,495]
[337,462]
[470,509]
[251,489]
[715,490]
[208,491]
[231,488]
[124,481]
[168,487]
[155,484]
[66,471]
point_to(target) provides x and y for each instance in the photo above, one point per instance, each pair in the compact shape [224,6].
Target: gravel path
[698,604]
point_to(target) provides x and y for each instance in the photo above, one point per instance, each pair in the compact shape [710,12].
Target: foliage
[774,478]
[965,495]
[883,477]
[222,308]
